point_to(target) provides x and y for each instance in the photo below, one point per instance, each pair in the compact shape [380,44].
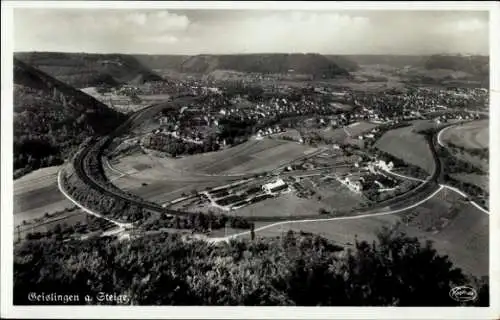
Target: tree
[295,269]
[323,211]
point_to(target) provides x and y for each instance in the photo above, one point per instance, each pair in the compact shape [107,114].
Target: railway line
[82,162]
[90,159]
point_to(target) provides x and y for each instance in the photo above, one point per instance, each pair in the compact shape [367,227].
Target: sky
[251,31]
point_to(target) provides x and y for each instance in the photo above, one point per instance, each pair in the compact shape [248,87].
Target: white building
[354,185]
[385,166]
[276,186]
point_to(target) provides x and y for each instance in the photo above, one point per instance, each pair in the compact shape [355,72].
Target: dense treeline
[90,70]
[312,64]
[63,231]
[409,169]
[476,193]
[478,65]
[481,153]
[195,221]
[175,146]
[451,164]
[130,207]
[126,211]
[295,269]
[51,119]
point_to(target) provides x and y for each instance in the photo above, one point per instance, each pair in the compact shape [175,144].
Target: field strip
[36,225]
[479,207]
[195,174]
[244,149]
[463,194]
[378,214]
[112,168]
[441,132]
[59,184]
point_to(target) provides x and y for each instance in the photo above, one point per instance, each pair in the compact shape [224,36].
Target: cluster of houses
[444,118]
[405,105]
[188,137]
[357,182]
[269,131]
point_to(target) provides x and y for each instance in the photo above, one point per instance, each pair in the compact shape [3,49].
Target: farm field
[120,102]
[474,160]
[481,181]
[154,97]
[338,197]
[330,196]
[250,157]
[37,193]
[161,192]
[269,159]
[464,238]
[341,231]
[147,177]
[285,205]
[407,145]
[471,135]
[69,218]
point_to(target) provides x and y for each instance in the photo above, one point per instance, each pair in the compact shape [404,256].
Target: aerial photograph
[238,157]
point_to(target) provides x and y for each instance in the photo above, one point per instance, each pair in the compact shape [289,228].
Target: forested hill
[51,118]
[88,70]
[476,65]
[296,269]
[343,61]
[165,62]
[310,64]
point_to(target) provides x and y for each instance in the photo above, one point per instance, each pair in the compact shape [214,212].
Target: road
[434,176]
[439,141]
[82,161]
[80,169]
[463,194]
[361,216]
[87,210]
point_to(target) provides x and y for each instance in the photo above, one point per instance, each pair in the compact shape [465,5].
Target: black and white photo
[237,156]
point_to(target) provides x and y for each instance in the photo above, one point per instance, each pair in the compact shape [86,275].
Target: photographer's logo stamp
[463,293]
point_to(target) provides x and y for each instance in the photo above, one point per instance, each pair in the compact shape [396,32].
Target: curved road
[80,170]
[91,212]
[361,216]
[435,176]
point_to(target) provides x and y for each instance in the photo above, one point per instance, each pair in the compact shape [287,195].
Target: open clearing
[407,145]
[37,193]
[471,135]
